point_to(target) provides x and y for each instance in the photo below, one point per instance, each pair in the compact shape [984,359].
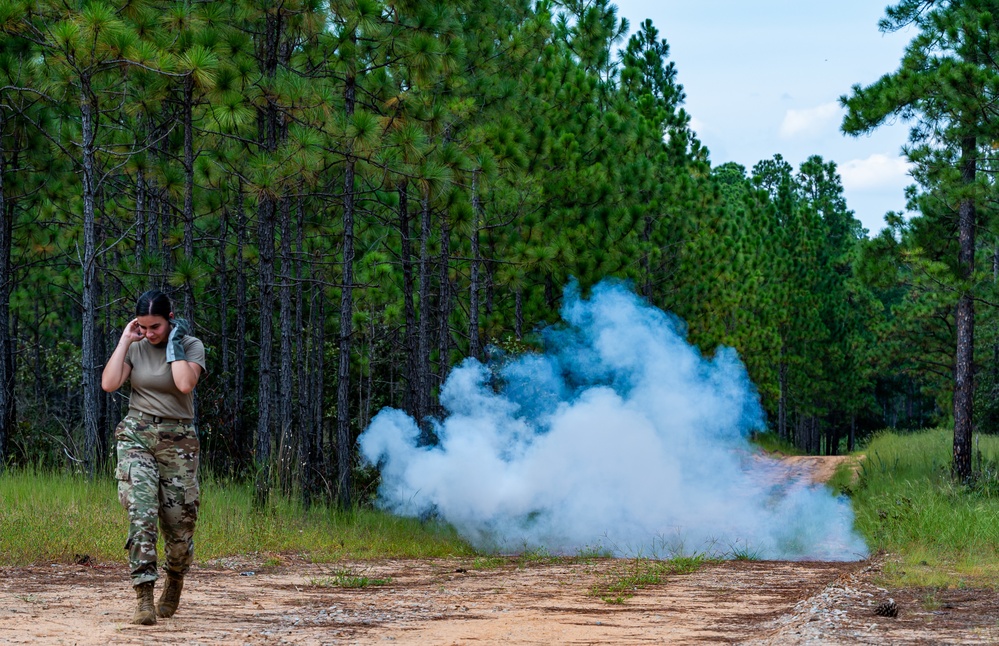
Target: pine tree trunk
[223,322]
[410,341]
[265,243]
[646,263]
[518,312]
[165,224]
[318,328]
[240,434]
[423,336]
[91,363]
[306,422]
[343,436]
[964,359]
[473,306]
[110,402]
[782,400]
[36,354]
[286,399]
[268,135]
[140,215]
[153,246]
[446,302]
[188,194]
[6,349]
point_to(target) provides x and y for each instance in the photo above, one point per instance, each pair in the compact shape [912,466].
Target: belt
[156,419]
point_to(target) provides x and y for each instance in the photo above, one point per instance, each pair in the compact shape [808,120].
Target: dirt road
[490,601]
[452,602]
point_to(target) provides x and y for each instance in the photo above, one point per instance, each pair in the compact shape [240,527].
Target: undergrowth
[945,534]
[48,516]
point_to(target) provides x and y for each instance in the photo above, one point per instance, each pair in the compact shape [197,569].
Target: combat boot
[170,597]
[145,613]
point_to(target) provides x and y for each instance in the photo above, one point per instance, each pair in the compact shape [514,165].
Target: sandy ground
[471,601]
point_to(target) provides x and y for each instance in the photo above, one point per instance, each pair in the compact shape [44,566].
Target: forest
[348,198]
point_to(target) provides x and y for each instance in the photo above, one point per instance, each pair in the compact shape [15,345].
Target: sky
[765,77]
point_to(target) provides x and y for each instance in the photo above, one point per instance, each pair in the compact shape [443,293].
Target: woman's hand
[132,332]
[116,371]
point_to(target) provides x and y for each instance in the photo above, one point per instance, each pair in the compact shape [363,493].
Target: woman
[157,447]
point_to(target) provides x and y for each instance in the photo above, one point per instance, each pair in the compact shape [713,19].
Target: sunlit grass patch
[943,533]
[59,517]
[48,516]
[847,474]
[230,524]
[635,574]
[347,578]
[489,562]
[928,569]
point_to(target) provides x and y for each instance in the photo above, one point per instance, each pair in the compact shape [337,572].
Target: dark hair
[154,303]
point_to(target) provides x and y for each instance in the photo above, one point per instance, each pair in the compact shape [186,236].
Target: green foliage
[846,476]
[907,504]
[941,88]
[767,270]
[232,140]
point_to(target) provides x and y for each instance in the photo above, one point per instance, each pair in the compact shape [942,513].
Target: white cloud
[810,121]
[876,172]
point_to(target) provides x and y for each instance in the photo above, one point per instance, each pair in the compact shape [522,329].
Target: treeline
[348,197]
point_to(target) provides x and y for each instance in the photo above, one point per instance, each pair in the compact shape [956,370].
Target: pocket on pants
[123,474]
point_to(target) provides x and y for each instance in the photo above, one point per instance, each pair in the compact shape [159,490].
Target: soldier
[158,447]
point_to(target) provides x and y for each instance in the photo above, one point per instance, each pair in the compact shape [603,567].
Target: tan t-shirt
[153,389]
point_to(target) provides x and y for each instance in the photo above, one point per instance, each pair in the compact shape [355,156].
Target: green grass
[490,562]
[940,534]
[845,479]
[636,574]
[55,517]
[347,578]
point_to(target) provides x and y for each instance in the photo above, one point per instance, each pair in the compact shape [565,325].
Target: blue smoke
[620,438]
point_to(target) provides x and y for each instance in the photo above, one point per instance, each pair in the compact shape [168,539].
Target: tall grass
[906,503]
[48,516]
[52,516]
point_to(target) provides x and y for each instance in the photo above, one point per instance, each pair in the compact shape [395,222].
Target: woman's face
[155,328]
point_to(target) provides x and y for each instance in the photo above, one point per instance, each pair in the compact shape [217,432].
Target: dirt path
[817,468]
[451,602]
[490,602]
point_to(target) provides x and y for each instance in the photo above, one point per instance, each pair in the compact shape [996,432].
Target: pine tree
[941,86]
[86,52]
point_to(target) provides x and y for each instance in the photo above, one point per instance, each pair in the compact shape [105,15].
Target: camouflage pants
[158,479]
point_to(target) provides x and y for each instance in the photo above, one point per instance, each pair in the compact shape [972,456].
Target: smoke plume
[620,438]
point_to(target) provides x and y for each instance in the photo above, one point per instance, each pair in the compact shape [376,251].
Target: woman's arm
[185,375]
[116,371]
